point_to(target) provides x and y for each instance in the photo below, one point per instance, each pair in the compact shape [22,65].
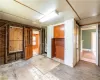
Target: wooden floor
[82,71]
[43,68]
[88,56]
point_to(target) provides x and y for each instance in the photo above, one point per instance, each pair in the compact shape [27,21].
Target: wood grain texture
[15,39]
[6,49]
[28,43]
[59,44]
[53,48]
[59,31]
[36,48]
[2,44]
[2,22]
[58,48]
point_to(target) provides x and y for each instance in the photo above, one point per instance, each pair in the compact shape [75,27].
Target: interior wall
[70,53]
[2,44]
[5,57]
[87,38]
[50,35]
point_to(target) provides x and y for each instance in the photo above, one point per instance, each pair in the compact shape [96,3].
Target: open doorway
[88,44]
[35,42]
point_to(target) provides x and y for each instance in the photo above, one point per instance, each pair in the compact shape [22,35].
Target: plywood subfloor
[34,69]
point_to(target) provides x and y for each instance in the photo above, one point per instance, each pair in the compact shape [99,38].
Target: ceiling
[30,11]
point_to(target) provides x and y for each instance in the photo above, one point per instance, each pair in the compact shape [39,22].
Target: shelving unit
[15,43]
[58,42]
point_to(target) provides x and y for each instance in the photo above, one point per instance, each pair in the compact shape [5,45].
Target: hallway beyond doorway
[35,42]
[89,43]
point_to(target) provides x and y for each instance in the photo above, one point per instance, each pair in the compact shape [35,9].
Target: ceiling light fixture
[49,16]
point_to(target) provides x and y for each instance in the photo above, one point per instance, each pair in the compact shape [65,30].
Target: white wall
[69,41]
[49,37]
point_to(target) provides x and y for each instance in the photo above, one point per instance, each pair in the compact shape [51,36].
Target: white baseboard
[87,49]
[88,60]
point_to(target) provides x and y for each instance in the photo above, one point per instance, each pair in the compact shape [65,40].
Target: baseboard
[87,49]
[88,60]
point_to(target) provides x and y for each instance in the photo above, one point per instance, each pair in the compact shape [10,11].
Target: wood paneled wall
[15,39]
[2,44]
[8,43]
[59,31]
[58,48]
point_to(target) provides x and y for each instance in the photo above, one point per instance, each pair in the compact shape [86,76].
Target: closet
[58,42]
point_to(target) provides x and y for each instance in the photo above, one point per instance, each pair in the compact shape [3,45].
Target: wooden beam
[4,24]
[73,9]
[28,7]
[90,23]
[18,24]
[5,53]
[23,42]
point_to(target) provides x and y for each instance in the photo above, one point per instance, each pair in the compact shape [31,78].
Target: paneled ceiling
[30,11]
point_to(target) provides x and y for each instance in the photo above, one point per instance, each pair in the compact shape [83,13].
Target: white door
[94,43]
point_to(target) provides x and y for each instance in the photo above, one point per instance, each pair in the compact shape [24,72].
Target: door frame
[40,46]
[92,40]
[77,43]
[87,27]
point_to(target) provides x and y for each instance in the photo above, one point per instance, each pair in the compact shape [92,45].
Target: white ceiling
[30,11]
[86,8]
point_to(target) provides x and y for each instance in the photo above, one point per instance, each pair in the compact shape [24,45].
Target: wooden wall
[15,39]
[2,44]
[58,48]
[9,39]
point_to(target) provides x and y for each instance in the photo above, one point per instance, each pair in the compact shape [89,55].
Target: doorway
[35,42]
[88,44]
